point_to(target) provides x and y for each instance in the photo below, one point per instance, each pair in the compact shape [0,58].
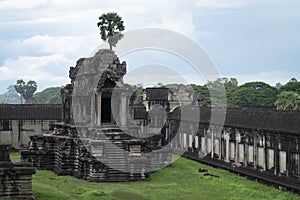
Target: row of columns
[265,151]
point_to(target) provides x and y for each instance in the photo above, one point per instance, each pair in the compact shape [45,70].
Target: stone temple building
[98,139]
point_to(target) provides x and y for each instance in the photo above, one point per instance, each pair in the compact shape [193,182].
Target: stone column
[93,107]
[226,138]
[212,144]
[255,151]
[98,109]
[123,111]
[265,157]
[203,145]
[237,141]
[15,125]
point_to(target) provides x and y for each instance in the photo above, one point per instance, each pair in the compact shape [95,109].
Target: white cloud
[41,69]
[35,56]
[19,4]
[216,3]
[47,36]
[5,72]
[224,4]
[66,45]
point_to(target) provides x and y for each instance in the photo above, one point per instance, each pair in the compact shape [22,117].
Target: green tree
[253,95]
[205,100]
[292,86]
[216,91]
[50,95]
[138,93]
[26,90]
[278,85]
[20,88]
[288,101]
[11,95]
[111,25]
[229,84]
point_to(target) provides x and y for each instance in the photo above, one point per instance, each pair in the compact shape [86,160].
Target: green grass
[15,156]
[180,181]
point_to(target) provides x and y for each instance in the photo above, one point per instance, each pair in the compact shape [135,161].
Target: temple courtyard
[184,179]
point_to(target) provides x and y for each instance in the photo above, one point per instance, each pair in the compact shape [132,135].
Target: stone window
[5,125]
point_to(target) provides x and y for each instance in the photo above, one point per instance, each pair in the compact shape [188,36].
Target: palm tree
[111,25]
[30,87]
[26,91]
[20,88]
[287,100]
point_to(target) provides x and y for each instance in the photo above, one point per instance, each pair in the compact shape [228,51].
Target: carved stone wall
[118,160]
[16,178]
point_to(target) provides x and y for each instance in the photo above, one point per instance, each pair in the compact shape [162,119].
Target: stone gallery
[19,122]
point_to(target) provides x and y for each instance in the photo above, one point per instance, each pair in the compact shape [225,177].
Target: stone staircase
[116,156]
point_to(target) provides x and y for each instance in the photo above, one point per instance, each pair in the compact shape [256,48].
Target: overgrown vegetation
[180,181]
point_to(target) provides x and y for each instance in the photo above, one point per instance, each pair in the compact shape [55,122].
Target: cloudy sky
[247,39]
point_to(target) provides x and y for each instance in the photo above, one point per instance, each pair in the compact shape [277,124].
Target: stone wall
[16,178]
[19,131]
[104,155]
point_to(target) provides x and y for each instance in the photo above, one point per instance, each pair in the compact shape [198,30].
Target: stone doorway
[106,115]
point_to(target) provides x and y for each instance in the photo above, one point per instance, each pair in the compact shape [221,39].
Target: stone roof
[157,94]
[31,111]
[139,112]
[255,119]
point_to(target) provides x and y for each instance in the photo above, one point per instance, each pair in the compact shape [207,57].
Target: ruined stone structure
[16,178]
[19,122]
[96,140]
[169,98]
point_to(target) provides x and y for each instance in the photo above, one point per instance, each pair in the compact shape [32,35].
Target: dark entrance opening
[106,110]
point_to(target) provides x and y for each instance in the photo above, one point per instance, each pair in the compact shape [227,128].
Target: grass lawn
[180,181]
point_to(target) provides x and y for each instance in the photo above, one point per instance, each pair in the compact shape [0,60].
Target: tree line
[251,94]
[23,92]
[248,95]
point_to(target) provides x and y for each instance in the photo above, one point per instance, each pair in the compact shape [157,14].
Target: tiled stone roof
[256,119]
[31,111]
